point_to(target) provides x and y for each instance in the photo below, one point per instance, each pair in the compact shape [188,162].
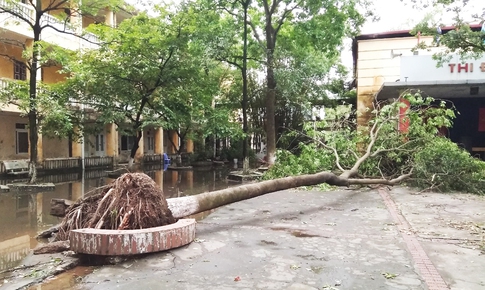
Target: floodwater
[24,214]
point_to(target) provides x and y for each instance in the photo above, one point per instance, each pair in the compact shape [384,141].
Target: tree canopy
[38,17]
[461,33]
[151,71]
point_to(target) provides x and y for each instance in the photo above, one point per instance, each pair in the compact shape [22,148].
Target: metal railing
[28,12]
[71,164]
[56,23]
[98,161]
[153,158]
[62,163]
[18,8]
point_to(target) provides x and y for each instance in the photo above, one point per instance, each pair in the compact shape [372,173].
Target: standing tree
[151,71]
[37,16]
[319,24]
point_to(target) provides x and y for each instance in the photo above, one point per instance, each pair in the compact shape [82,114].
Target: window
[21,138]
[100,143]
[19,71]
[127,142]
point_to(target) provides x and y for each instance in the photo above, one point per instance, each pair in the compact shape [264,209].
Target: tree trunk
[244,102]
[32,114]
[270,34]
[135,147]
[189,205]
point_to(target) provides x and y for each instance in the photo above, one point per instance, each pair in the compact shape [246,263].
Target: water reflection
[22,214]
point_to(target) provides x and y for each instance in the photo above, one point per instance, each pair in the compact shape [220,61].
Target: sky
[395,15]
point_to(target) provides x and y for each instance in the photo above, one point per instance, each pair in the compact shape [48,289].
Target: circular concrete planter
[132,242]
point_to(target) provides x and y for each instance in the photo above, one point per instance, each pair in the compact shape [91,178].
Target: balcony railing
[28,12]
[3,83]
[19,9]
[56,23]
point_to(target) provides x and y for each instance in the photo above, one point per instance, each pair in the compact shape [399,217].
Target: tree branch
[69,33]
[391,182]
[17,15]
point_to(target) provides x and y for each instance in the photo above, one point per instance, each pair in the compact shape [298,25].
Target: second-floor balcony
[58,32]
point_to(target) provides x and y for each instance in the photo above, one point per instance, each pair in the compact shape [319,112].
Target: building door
[150,146]
[21,139]
[100,151]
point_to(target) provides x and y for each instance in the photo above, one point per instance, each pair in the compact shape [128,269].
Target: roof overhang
[437,89]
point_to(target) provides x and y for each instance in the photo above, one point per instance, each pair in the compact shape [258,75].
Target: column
[189,179]
[141,150]
[40,150]
[77,190]
[159,178]
[175,140]
[109,18]
[190,146]
[111,141]
[77,145]
[40,201]
[158,141]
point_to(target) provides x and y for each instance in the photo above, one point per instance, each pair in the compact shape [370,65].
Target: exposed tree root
[133,201]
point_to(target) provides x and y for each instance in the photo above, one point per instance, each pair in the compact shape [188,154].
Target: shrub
[442,165]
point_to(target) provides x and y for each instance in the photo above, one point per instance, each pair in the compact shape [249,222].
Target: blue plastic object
[166,161]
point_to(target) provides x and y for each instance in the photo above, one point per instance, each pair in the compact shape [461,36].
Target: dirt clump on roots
[132,201]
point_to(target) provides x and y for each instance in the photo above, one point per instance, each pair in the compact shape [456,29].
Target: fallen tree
[134,201]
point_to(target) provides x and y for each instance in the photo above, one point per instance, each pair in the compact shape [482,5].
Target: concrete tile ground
[298,239]
[295,239]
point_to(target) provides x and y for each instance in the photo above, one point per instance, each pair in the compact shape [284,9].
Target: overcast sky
[395,15]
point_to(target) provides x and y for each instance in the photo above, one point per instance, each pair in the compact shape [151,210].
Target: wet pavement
[294,239]
[24,214]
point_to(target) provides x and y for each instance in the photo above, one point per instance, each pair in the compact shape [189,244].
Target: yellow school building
[105,148]
[386,64]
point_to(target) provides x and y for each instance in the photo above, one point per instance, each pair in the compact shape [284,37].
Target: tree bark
[32,114]
[189,205]
[244,102]
[270,103]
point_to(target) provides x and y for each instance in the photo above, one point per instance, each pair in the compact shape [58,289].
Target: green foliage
[310,160]
[442,165]
[383,151]
[153,71]
[462,40]
[54,118]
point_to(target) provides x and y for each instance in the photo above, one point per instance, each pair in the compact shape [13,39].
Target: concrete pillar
[109,18]
[77,146]
[111,140]
[40,149]
[175,140]
[158,141]
[365,101]
[77,191]
[159,178]
[189,179]
[40,202]
[190,146]
[141,150]
[175,178]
